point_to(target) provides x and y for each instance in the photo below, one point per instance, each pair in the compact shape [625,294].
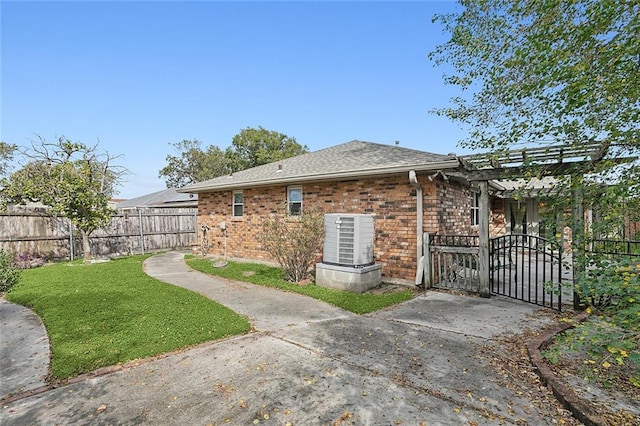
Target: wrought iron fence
[616,247]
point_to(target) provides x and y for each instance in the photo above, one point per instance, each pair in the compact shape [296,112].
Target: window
[238,204]
[294,200]
[475,208]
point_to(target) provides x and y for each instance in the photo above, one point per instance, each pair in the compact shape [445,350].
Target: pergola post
[577,236]
[483,239]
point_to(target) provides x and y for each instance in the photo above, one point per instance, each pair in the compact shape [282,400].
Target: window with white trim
[238,204]
[475,208]
[294,200]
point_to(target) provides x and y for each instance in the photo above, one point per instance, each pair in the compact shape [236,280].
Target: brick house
[406,190]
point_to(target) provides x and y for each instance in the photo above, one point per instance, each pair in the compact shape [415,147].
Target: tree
[72,179]
[6,156]
[254,147]
[193,164]
[545,71]
[555,72]
[249,148]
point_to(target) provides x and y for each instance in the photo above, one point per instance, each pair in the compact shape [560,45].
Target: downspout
[413,183]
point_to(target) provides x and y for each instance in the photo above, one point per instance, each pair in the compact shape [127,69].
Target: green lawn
[108,313]
[359,303]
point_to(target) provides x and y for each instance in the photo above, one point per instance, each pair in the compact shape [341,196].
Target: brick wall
[454,209]
[390,199]
[497,222]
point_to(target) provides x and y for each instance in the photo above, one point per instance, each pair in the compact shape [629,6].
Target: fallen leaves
[310,380]
[345,417]
[508,357]
[226,390]
[272,413]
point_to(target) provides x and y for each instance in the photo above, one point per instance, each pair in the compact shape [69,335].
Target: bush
[612,287]
[27,260]
[294,241]
[610,292]
[9,275]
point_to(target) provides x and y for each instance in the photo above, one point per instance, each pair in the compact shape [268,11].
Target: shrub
[28,260]
[612,286]
[294,241]
[9,275]
[610,291]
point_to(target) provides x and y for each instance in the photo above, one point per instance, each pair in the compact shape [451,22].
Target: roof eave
[440,165]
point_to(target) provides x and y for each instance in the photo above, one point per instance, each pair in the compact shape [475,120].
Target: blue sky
[138,76]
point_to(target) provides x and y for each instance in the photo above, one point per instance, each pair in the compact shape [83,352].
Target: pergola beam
[555,169]
[556,153]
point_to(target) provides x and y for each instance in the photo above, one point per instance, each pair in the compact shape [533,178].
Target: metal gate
[529,268]
[523,267]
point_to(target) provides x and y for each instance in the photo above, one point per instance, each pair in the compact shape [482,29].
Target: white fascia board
[198,188]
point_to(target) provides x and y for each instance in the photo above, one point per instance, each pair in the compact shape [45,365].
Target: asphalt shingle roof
[350,159]
[165,198]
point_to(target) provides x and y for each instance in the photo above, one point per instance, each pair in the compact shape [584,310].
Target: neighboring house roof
[165,198]
[348,160]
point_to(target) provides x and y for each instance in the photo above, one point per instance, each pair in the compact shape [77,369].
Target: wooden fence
[132,231]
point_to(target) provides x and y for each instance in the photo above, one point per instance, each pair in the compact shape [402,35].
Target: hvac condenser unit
[348,239]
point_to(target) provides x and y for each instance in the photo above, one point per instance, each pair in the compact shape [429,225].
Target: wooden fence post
[141,231]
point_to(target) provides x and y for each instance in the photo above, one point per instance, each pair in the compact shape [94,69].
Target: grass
[104,314]
[359,303]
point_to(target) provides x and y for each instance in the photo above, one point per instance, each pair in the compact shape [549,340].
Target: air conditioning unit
[348,239]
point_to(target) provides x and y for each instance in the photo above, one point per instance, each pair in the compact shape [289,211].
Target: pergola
[557,160]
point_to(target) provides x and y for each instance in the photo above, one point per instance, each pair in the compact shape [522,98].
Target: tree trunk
[86,247]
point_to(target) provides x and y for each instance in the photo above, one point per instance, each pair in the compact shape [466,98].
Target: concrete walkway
[268,309]
[24,350]
[309,363]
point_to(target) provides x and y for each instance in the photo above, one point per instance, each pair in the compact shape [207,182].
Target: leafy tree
[249,148]
[544,71]
[6,156]
[550,72]
[72,179]
[193,164]
[254,147]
